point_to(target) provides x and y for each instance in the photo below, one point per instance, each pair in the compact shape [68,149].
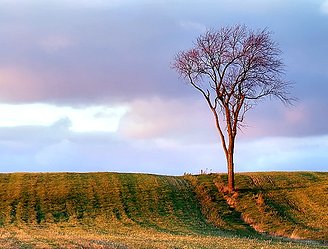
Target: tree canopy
[233,68]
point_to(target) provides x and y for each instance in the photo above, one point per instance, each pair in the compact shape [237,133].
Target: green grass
[112,210]
[293,205]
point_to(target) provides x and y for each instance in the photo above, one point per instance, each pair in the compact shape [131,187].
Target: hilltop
[116,210]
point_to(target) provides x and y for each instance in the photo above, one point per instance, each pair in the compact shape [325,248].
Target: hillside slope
[162,202]
[284,204]
[289,204]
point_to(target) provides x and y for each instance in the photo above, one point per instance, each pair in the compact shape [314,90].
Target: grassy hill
[112,210]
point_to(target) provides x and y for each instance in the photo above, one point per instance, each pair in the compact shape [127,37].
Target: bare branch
[234,68]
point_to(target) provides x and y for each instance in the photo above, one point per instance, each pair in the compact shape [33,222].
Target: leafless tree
[233,68]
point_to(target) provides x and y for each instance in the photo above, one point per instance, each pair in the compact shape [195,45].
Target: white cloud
[94,3]
[96,118]
[89,119]
[190,25]
[283,153]
[55,42]
[324,7]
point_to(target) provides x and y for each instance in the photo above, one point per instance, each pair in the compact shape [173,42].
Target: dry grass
[123,238]
[109,210]
[292,205]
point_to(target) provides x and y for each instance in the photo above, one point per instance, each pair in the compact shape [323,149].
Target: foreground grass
[293,205]
[132,237]
[110,210]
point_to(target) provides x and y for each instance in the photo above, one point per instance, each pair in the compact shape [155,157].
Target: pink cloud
[157,118]
[19,84]
[190,121]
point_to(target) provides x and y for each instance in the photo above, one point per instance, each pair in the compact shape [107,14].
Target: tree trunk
[231,175]
[228,150]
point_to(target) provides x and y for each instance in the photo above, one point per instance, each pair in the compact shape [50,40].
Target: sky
[87,85]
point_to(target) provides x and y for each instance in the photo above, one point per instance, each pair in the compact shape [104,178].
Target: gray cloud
[100,52]
[83,53]
[69,151]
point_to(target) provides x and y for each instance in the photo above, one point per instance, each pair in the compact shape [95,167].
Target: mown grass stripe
[278,203]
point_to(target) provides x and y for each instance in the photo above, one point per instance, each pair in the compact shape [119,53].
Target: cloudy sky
[86,85]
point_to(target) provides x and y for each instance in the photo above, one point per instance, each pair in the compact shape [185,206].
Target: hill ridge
[288,204]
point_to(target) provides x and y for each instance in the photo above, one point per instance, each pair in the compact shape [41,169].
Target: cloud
[95,3]
[89,55]
[271,118]
[324,7]
[189,120]
[194,26]
[87,59]
[58,156]
[148,119]
[283,153]
[58,149]
[55,42]
[185,120]
[99,55]
[251,6]
[95,118]
[19,83]
[88,119]
[72,3]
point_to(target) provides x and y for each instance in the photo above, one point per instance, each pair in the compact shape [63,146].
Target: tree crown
[233,66]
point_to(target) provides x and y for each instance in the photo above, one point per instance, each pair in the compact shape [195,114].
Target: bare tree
[233,68]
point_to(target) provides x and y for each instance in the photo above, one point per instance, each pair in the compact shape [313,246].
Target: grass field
[111,210]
